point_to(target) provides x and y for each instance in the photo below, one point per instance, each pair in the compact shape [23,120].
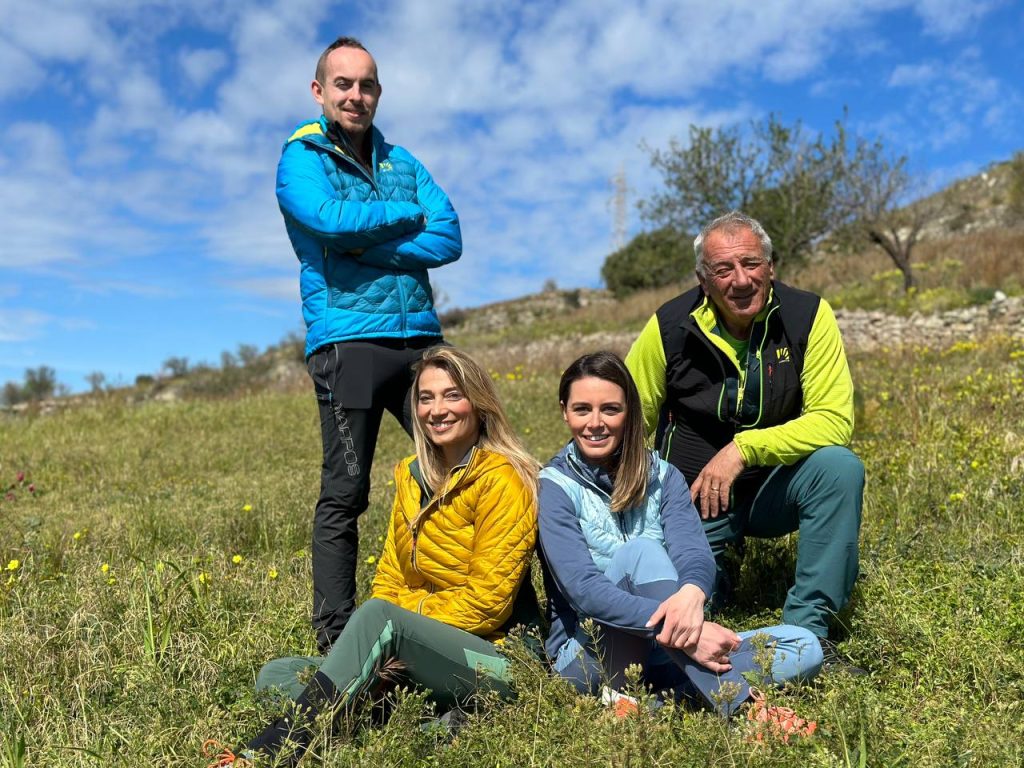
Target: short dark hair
[634,460]
[341,42]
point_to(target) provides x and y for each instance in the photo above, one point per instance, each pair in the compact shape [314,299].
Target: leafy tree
[778,174]
[13,393]
[176,366]
[40,383]
[247,353]
[649,260]
[801,187]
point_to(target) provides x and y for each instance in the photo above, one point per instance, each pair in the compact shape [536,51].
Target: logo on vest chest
[782,355]
[385,165]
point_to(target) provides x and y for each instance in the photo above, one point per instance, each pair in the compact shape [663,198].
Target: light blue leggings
[643,567]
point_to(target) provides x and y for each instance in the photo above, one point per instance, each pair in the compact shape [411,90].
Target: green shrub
[649,260]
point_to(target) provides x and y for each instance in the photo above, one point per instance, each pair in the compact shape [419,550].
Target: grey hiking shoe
[836,661]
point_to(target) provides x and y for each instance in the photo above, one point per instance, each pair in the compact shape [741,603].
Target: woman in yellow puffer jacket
[454,574]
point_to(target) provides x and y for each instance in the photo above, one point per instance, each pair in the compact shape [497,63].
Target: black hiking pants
[355,382]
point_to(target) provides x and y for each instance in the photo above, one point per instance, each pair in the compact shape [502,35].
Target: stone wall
[866,331]
[862,330]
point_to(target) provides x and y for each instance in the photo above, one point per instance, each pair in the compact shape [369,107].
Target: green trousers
[451,663]
[820,496]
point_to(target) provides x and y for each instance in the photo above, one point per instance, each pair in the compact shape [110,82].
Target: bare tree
[96,380]
[878,188]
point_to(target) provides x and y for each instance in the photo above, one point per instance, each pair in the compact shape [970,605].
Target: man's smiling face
[736,278]
[350,91]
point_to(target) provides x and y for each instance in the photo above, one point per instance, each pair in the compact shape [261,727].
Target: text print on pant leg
[345,435]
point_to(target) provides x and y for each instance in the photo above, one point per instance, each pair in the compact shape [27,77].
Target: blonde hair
[496,435]
[633,460]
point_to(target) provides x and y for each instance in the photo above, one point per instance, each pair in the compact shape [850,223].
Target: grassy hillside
[157,554]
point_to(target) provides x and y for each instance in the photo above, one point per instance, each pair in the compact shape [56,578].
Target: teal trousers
[429,654]
[821,497]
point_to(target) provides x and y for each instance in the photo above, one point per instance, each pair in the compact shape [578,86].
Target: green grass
[128,634]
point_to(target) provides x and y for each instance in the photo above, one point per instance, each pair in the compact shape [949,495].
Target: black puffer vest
[700,415]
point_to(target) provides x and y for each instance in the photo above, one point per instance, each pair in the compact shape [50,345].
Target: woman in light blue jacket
[622,545]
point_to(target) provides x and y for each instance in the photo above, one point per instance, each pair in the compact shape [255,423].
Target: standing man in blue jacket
[367,221]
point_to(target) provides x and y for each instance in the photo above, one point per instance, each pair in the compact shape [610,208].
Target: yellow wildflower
[237,559]
[13,565]
[105,568]
[371,559]
[247,507]
[272,573]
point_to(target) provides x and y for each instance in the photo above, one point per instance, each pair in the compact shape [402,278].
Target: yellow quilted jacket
[466,559]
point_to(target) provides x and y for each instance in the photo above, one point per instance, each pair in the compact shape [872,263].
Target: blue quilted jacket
[364,240]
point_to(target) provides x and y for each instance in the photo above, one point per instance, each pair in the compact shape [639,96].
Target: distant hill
[979,203]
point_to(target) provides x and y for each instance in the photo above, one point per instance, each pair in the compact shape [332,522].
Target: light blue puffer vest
[605,531]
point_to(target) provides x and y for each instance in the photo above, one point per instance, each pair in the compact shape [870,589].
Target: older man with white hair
[746,381]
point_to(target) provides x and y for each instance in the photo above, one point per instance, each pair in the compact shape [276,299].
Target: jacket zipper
[416,531]
[586,481]
[349,157]
[761,366]
[371,177]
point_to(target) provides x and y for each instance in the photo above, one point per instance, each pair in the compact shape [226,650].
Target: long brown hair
[633,460]
[496,435]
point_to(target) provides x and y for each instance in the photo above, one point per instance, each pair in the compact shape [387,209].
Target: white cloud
[21,325]
[201,65]
[944,18]
[911,75]
[275,288]
[48,213]
[18,71]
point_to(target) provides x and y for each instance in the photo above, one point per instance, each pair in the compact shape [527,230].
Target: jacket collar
[570,462]
[463,471]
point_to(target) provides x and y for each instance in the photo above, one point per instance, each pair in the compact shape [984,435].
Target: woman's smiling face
[596,416]
[449,420]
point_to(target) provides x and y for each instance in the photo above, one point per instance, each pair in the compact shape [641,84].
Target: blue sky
[140,139]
